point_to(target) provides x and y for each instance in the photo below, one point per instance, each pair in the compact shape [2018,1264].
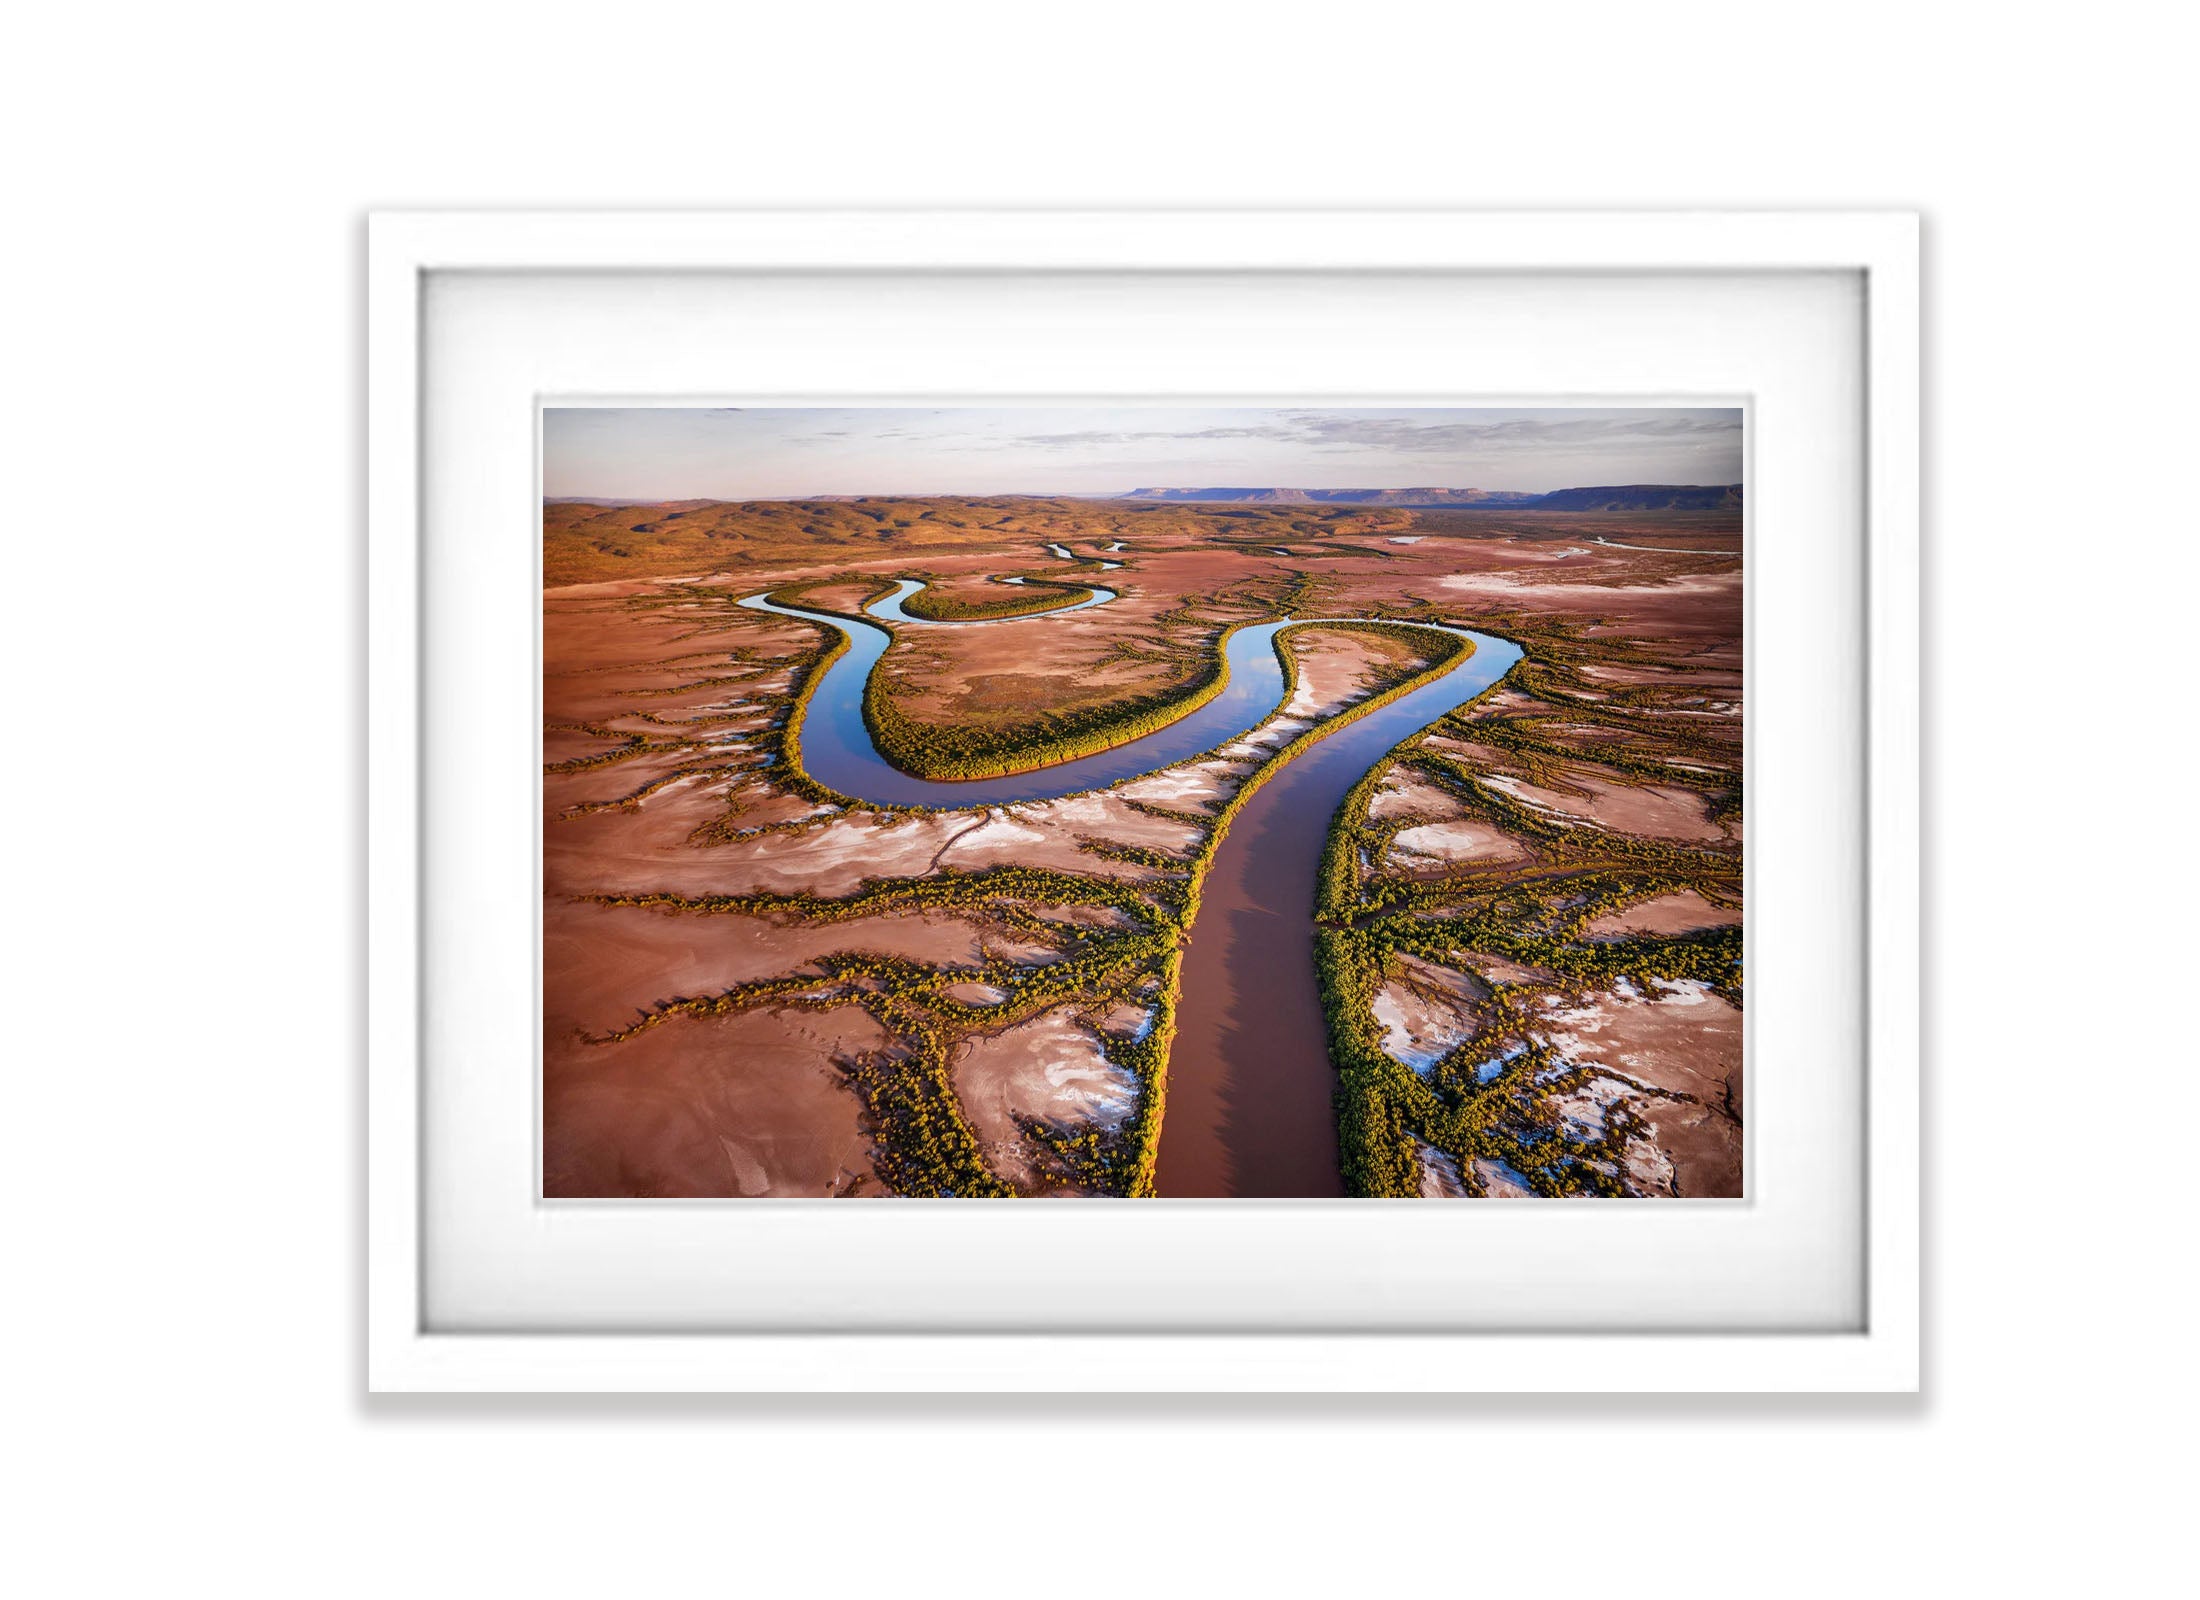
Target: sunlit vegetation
[924,1145]
[962,750]
[1584,706]
[1029,598]
[982,748]
[1501,1096]
[1194,649]
[1187,644]
[947,890]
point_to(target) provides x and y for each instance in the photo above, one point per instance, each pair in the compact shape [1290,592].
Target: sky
[726,453]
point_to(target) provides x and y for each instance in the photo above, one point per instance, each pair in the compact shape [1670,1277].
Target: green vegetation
[624,747]
[1029,598]
[1567,719]
[1448,648]
[785,747]
[947,890]
[973,749]
[967,750]
[924,1145]
[1502,1096]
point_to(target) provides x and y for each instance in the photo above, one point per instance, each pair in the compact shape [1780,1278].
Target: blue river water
[836,748]
[890,608]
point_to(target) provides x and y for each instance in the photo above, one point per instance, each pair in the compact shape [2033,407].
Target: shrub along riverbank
[1031,597]
[962,751]
[925,1143]
[1495,1096]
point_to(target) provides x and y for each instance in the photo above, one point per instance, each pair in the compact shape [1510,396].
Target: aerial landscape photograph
[1141,801]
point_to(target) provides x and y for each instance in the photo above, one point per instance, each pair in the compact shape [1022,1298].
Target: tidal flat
[1443,900]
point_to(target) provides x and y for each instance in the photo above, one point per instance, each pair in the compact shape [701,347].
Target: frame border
[403,247]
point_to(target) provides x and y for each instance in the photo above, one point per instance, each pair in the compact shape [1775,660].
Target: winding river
[1249,1074]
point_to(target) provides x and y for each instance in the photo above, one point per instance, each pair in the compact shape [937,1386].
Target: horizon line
[1163,497]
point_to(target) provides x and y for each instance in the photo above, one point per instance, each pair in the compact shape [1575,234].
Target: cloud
[1342,430]
[1101,438]
[1348,431]
[738,453]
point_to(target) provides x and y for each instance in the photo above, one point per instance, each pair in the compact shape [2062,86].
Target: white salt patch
[1511,786]
[1587,1018]
[1305,698]
[1270,735]
[1500,1181]
[1401,796]
[1418,1042]
[1397,1038]
[975,994]
[1107,1091]
[1649,1167]
[1585,1109]
[749,1175]
[1487,1071]
[1449,841]
[997,832]
[1175,783]
[1440,1179]
[667,788]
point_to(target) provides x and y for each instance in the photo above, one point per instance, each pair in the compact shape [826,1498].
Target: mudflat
[1495,955]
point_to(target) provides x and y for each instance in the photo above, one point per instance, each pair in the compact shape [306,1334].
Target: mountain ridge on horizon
[1280,495]
[1600,497]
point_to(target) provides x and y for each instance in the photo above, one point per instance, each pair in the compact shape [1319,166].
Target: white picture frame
[407,1350]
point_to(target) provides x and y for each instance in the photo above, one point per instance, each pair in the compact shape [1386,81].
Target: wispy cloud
[1108,439]
[1456,436]
[1331,430]
[770,452]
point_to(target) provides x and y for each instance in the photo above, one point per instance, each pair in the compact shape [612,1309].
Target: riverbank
[1045,1034]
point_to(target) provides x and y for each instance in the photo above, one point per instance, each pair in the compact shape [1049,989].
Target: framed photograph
[1366,760]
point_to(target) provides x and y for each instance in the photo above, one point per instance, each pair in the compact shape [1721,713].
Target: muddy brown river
[1249,1077]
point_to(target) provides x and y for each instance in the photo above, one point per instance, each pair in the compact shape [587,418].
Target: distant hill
[1623,497]
[584,540]
[1341,497]
[1645,497]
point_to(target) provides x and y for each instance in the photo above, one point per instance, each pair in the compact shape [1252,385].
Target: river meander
[1249,1074]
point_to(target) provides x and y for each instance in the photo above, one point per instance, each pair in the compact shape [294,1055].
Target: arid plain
[1493,954]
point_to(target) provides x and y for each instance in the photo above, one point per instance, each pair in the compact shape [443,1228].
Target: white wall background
[182,437]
